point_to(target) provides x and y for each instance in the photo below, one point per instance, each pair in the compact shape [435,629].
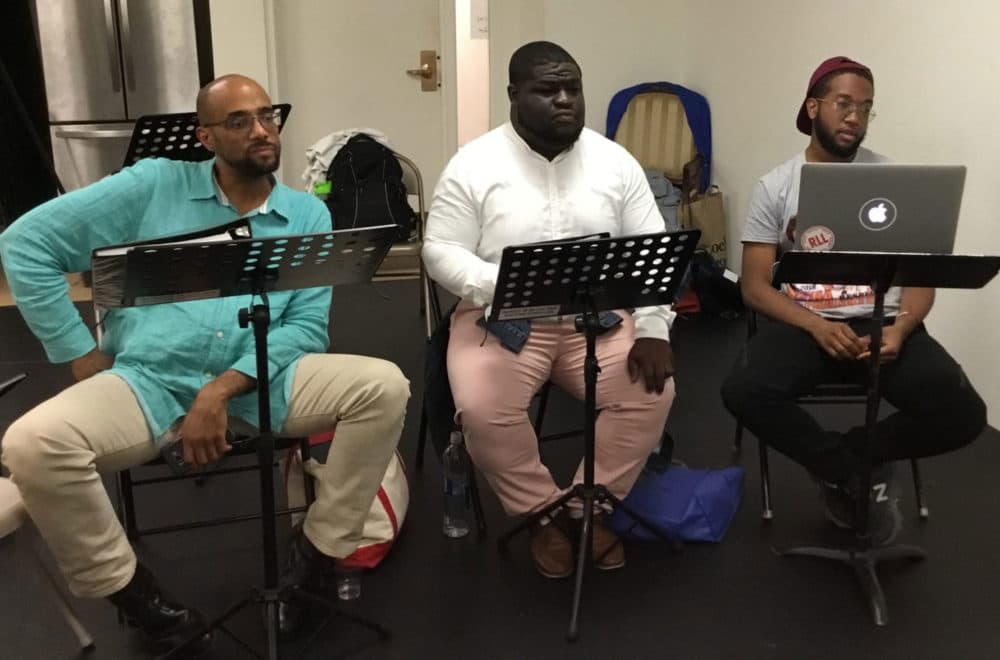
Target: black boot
[165,623]
[307,570]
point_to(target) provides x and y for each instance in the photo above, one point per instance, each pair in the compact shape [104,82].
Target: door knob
[423,72]
[428,71]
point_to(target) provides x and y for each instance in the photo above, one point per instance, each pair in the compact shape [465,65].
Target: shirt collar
[205,186]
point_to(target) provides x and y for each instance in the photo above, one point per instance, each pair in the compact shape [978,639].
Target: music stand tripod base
[864,563]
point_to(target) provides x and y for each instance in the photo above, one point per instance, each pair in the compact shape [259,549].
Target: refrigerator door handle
[109,26]
[127,44]
[92,133]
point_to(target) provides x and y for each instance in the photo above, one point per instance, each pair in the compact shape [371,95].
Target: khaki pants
[57,451]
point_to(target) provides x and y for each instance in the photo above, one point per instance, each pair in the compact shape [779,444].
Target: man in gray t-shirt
[820,333]
[772,221]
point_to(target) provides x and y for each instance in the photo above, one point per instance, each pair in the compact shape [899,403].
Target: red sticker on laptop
[817,238]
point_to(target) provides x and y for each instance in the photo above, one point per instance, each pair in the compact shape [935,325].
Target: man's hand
[837,339]
[87,365]
[203,431]
[653,361]
[892,341]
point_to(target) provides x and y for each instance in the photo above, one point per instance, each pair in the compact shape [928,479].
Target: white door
[342,64]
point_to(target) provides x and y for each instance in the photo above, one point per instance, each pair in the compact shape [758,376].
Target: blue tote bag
[693,505]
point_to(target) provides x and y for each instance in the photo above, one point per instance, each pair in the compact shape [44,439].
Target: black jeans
[938,409]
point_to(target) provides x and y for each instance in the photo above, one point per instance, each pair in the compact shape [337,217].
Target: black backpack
[366,187]
[717,295]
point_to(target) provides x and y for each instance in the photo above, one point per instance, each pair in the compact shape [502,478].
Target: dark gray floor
[448,598]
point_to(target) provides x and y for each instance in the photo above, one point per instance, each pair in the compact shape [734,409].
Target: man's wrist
[906,323]
[228,385]
[213,391]
[812,323]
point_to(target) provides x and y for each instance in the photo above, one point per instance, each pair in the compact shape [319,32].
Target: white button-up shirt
[496,191]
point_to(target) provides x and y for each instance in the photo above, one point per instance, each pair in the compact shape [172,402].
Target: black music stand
[176,272]
[587,277]
[173,136]
[880,270]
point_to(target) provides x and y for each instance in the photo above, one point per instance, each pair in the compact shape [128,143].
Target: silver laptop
[881,207]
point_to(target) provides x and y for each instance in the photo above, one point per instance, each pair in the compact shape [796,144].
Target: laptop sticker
[817,238]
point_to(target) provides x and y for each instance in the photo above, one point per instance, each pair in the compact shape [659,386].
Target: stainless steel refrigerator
[108,62]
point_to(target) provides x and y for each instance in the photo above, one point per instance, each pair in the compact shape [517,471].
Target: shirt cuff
[652,327]
[247,365]
[75,343]
[487,284]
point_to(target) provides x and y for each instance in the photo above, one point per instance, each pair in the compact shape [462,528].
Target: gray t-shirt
[772,219]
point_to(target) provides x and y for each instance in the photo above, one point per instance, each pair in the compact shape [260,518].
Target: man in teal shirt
[185,371]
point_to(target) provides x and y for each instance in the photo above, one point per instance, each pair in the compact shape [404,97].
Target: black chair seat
[241,446]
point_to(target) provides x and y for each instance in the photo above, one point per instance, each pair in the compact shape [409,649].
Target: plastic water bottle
[455,468]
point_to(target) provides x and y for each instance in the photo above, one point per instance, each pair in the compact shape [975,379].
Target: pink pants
[493,386]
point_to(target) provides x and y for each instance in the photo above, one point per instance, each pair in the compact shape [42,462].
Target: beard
[561,136]
[557,136]
[539,128]
[258,164]
[827,139]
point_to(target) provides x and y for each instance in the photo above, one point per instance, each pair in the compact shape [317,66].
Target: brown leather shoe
[608,551]
[552,551]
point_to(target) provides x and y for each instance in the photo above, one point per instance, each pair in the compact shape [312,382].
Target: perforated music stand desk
[177,272]
[174,136]
[587,277]
[880,270]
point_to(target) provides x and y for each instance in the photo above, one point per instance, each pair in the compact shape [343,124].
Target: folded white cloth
[320,155]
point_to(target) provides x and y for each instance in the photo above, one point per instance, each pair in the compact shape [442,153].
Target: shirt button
[219,334]
[208,375]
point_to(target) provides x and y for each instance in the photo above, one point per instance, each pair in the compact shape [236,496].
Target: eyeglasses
[845,108]
[243,121]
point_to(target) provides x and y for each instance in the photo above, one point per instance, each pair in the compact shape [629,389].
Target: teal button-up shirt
[167,352]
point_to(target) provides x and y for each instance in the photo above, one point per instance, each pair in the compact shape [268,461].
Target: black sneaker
[885,520]
[306,570]
[165,623]
[838,505]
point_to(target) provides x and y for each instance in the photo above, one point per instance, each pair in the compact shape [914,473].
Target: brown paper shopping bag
[706,212]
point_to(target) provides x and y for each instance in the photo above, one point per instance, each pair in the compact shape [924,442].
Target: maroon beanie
[832,65]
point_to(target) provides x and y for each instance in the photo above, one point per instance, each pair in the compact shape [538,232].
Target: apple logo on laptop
[877,214]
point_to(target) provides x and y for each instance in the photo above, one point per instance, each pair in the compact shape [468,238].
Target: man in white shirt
[820,333]
[543,176]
